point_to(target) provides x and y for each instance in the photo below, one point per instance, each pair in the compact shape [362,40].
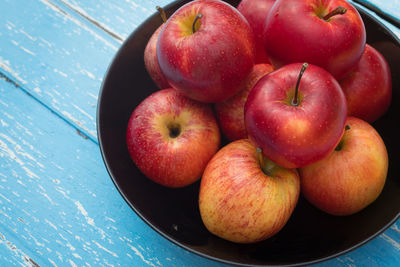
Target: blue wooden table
[58,205]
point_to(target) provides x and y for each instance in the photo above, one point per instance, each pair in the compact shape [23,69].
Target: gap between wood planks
[17,85]
[28,260]
[91,20]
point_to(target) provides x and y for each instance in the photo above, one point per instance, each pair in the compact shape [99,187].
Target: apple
[296,119]
[150,56]
[244,197]
[330,34]
[368,88]
[230,112]
[171,138]
[256,12]
[352,176]
[206,50]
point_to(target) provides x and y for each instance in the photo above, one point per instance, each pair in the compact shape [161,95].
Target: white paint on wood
[25,260]
[79,23]
[390,240]
[72,263]
[83,112]
[27,51]
[5,65]
[69,116]
[83,13]
[137,252]
[52,262]
[105,249]
[60,72]
[396,228]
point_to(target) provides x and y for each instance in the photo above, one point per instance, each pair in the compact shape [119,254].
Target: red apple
[291,130]
[352,176]
[256,12]
[206,50]
[150,57]
[307,31]
[243,199]
[230,112]
[171,138]
[368,88]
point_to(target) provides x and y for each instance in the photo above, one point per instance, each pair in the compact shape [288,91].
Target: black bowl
[310,236]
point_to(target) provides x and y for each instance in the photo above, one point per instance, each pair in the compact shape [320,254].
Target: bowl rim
[365,11]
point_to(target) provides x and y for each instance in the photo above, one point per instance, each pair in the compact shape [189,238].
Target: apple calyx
[162,13]
[295,100]
[340,145]
[337,11]
[174,129]
[266,165]
[199,16]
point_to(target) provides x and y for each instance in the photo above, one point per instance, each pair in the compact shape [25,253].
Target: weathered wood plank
[10,255]
[58,205]
[385,5]
[58,58]
[119,17]
[390,8]
[381,251]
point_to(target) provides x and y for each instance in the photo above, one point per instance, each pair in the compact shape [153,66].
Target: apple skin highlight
[256,11]
[207,65]
[295,136]
[368,88]
[171,138]
[335,44]
[151,61]
[230,112]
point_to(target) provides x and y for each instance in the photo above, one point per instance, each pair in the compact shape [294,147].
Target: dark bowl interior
[310,235]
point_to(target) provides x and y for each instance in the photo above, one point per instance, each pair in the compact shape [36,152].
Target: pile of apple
[291,84]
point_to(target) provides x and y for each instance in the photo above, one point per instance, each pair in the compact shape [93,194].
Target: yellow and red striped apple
[352,176]
[244,197]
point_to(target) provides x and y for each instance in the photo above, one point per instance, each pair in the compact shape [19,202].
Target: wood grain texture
[118,17]
[58,206]
[388,7]
[121,17]
[56,57]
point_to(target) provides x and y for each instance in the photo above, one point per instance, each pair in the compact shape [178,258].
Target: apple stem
[337,11]
[260,157]
[199,16]
[295,100]
[162,13]
[267,166]
[340,145]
